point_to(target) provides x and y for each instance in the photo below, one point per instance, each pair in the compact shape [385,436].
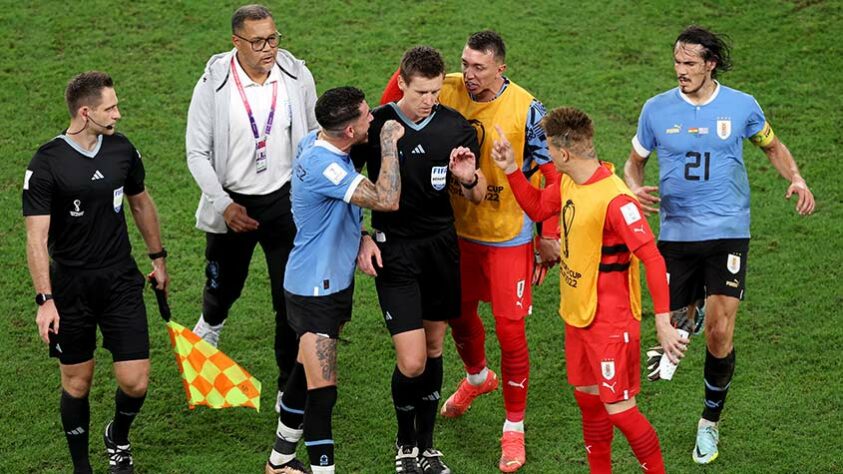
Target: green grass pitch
[784,409]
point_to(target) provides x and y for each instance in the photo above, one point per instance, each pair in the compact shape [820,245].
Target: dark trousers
[229,255]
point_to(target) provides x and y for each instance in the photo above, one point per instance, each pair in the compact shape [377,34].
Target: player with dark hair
[697,130]
[495,236]
[327,197]
[415,250]
[604,236]
[80,259]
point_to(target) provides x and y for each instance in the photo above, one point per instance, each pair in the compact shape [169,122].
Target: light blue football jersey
[703,184]
[324,251]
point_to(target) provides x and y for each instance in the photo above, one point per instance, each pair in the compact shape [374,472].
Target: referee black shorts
[111,298]
[319,314]
[710,267]
[420,280]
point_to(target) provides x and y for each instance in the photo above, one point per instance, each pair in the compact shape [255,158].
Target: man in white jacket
[248,111]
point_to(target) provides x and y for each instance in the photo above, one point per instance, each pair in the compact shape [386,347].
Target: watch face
[42,298]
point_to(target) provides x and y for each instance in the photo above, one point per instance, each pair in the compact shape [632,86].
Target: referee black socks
[76,420]
[126,409]
[718,377]
[405,392]
[428,402]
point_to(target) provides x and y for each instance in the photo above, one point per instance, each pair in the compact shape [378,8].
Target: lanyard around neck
[249,108]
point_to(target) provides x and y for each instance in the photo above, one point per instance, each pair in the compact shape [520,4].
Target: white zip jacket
[206,140]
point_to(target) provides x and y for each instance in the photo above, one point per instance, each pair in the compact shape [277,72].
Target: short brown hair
[570,128]
[86,89]
[422,61]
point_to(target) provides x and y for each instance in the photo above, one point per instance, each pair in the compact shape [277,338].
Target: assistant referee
[81,262]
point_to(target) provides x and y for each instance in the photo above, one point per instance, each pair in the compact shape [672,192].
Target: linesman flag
[209,376]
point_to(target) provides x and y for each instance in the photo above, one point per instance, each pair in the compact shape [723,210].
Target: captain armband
[763,138]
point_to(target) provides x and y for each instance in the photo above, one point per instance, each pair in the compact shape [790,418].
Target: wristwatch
[42,298]
[156,255]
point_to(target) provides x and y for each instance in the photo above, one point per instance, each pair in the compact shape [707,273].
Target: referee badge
[118,199]
[438,175]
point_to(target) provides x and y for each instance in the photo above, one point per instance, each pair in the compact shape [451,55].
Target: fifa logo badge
[77,208]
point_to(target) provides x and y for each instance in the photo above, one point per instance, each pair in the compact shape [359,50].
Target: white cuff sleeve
[352,187]
[636,145]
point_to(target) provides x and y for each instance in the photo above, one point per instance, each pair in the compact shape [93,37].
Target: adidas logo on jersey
[418,150]
[97,175]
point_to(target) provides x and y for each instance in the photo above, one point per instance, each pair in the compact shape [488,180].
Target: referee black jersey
[423,153]
[82,192]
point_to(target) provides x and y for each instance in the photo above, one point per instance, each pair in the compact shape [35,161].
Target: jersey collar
[324,144]
[710,99]
[82,151]
[415,126]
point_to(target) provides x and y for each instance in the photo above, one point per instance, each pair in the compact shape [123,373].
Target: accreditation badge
[260,156]
[117,200]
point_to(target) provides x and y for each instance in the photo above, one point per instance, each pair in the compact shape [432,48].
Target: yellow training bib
[498,217]
[582,221]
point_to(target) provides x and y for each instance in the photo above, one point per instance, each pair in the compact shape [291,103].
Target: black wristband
[473,183]
[157,255]
[364,233]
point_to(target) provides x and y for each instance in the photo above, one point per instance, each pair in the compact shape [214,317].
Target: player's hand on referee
[369,256]
[647,198]
[673,345]
[47,319]
[502,153]
[805,204]
[238,220]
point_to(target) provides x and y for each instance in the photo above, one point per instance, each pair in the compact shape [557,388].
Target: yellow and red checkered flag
[209,376]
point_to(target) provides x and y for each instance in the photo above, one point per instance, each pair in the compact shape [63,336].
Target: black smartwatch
[162,253]
[42,298]
[471,184]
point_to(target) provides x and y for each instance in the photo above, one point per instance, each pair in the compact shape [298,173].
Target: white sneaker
[211,334]
[406,461]
[705,450]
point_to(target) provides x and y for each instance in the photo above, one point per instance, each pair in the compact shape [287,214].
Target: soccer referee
[416,248]
[81,262]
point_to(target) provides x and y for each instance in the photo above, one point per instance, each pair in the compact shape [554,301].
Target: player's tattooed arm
[385,194]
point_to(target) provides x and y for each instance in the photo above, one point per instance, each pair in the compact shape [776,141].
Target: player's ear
[501,69]
[710,65]
[401,84]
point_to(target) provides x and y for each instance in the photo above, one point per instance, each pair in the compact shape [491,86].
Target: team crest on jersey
[118,199]
[733,263]
[438,177]
[607,367]
[724,128]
